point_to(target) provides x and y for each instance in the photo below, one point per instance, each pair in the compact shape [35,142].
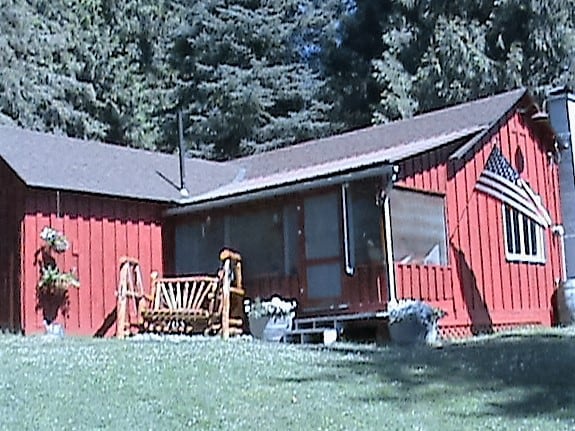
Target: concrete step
[312,335]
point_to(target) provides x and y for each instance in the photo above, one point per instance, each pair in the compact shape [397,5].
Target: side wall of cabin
[100,231]
[482,289]
[12,197]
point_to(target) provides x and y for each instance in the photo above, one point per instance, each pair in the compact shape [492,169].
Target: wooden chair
[201,304]
[183,305]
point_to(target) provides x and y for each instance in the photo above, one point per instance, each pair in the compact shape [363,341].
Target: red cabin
[456,207]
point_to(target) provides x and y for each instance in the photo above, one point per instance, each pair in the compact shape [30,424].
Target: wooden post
[226,299]
[121,302]
[389,261]
[153,287]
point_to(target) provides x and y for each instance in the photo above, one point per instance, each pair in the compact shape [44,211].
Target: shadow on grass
[536,372]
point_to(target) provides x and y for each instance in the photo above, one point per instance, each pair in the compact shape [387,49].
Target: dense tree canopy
[438,53]
[250,75]
[244,83]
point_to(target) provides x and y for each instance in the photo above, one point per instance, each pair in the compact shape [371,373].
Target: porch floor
[327,329]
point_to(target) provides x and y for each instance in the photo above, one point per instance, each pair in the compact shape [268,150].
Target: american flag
[501,181]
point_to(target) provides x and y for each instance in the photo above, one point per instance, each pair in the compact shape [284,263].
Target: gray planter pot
[411,330]
[269,328]
[566,302]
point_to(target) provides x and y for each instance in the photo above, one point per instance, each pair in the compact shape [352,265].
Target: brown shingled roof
[387,143]
[62,163]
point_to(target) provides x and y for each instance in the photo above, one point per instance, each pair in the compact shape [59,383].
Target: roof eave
[462,151]
[199,204]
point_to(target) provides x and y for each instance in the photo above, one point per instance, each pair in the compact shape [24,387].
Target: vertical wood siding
[486,290]
[12,192]
[101,231]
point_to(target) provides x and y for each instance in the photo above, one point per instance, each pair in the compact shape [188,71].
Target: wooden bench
[183,305]
[201,304]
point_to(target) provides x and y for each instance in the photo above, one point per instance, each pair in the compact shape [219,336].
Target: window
[198,245]
[523,237]
[267,240]
[418,227]
[365,221]
[258,236]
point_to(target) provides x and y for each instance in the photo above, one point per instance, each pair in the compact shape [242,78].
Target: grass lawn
[520,381]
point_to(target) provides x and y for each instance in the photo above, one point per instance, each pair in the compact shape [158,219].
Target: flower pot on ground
[414,322]
[270,320]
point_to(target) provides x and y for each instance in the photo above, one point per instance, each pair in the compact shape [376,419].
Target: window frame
[444,245]
[524,255]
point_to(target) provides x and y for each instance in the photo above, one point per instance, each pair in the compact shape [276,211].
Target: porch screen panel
[322,230]
[197,246]
[366,222]
[258,237]
[323,246]
[291,238]
[324,281]
[418,227]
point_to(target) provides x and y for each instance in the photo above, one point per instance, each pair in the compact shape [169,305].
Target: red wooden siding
[365,291]
[267,286]
[487,291]
[101,231]
[12,192]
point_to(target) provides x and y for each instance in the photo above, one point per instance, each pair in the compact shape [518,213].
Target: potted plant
[412,321]
[53,284]
[52,281]
[54,239]
[270,320]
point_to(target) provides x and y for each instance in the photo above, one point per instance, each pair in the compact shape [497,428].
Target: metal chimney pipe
[183,190]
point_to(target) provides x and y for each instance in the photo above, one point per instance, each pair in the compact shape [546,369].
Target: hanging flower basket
[54,239]
[53,281]
[53,284]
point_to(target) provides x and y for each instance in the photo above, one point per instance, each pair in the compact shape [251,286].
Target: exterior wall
[479,288]
[12,195]
[100,231]
[485,291]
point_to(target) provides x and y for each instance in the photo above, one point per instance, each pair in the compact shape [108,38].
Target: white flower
[54,239]
[274,307]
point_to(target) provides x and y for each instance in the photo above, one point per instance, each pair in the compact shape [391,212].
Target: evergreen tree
[347,61]
[90,69]
[441,53]
[40,86]
[245,80]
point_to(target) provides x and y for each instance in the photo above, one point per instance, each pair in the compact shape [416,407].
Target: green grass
[520,381]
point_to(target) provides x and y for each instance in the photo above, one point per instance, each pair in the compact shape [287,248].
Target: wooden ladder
[130,286]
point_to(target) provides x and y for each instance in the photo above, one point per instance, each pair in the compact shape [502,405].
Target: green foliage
[243,84]
[439,53]
[89,69]
[252,75]
[53,280]
[347,62]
